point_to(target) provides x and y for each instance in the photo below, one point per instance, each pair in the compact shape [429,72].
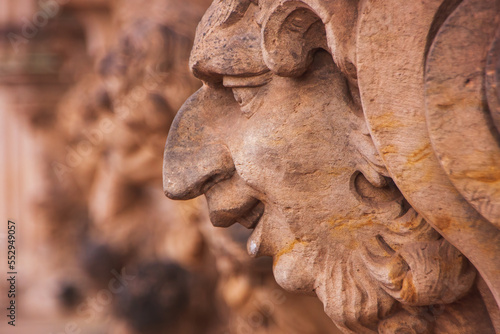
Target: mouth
[230,206]
[251,218]
[232,201]
[247,215]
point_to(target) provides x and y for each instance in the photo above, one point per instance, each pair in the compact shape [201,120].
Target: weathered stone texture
[360,142]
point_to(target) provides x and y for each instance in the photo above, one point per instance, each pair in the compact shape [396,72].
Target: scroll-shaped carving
[455,96]
[311,129]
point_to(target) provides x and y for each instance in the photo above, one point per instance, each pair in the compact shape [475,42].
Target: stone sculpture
[360,141]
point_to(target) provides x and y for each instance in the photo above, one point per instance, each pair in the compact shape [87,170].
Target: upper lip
[230,203]
[247,214]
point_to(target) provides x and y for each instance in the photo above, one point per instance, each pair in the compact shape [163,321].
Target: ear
[293,30]
[372,184]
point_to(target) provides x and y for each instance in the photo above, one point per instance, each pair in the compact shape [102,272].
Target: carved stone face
[282,156]
[282,147]
[288,145]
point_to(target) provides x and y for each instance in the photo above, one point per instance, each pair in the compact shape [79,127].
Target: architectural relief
[360,142]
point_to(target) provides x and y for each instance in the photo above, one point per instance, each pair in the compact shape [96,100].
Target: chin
[293,273]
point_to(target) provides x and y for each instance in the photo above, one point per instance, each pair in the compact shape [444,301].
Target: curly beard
[412,267]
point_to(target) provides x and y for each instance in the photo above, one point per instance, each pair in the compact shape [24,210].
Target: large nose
[195,155]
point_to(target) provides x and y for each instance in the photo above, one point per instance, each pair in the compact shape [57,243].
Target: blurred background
[88,90]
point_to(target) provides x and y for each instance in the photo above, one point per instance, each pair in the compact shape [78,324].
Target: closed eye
[246,90]
[245,96]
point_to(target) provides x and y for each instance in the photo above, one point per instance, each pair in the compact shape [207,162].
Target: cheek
[302,178]
[289,157]
[260,152]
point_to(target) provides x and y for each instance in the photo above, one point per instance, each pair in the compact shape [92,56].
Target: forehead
[228,41]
